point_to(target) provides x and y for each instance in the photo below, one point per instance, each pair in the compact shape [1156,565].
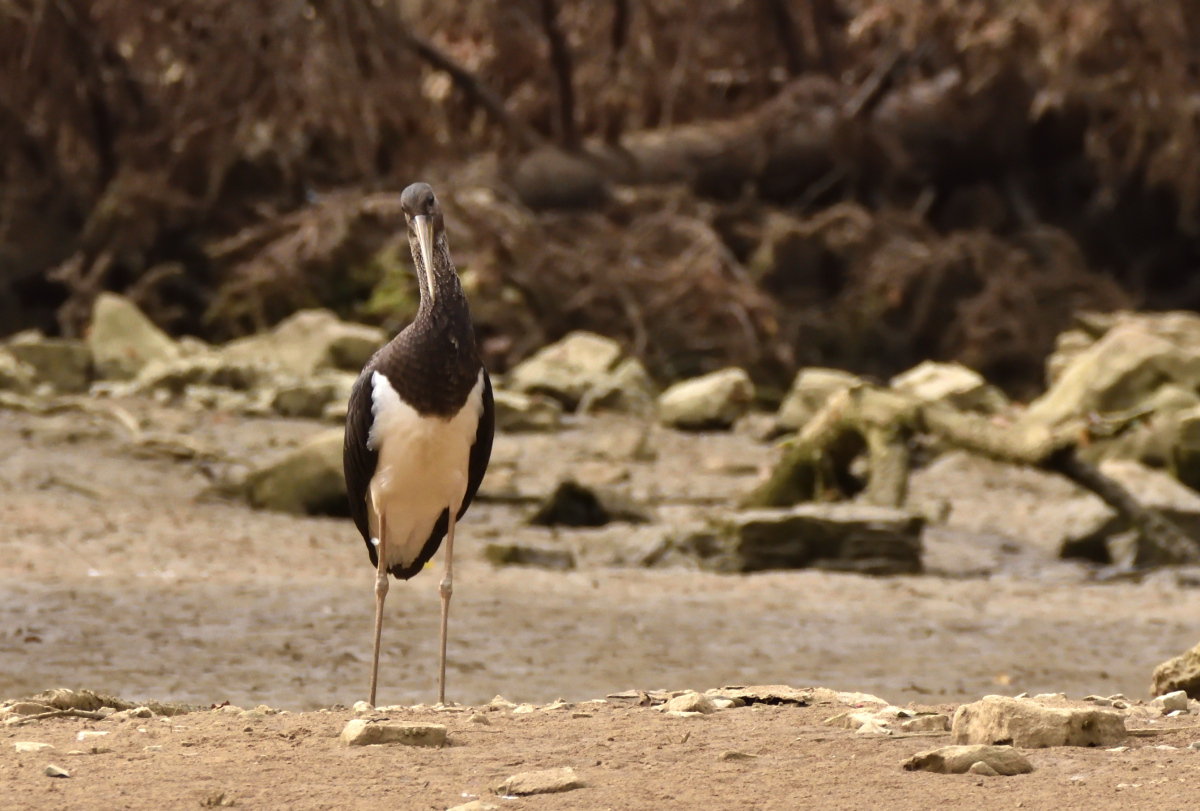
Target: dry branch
[885,419]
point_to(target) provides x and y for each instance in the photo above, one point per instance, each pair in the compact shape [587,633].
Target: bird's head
[423,214]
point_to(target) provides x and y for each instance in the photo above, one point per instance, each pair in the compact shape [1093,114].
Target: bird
[419,426]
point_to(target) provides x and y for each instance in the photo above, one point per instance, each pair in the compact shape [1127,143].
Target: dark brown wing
[481,453]
[359,461]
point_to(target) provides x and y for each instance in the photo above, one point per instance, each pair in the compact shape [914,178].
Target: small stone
[31,746]
[582,715]
[475,805]
[361,733]
[29,708]
[501,703]
[361,707]
[952,383]
[712,401]
[56,771]
[1118,749]
[981,768]
[691,701]
[722,703]
[1002,760]
[927,723]
[546,781]
[1194,745]
[478,718]
[731,754]
[568,369]
[873,726]
[1172,702]
[557,704]
[63,363]
[154,747]
[683,714]
[524,709]
[122,339]
[308,481]
[90,734]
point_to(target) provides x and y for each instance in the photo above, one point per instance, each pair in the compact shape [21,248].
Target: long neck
[439,284]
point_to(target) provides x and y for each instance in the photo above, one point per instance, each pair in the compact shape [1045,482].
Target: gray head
[423,214]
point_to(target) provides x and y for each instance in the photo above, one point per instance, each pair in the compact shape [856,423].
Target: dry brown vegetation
[855,182]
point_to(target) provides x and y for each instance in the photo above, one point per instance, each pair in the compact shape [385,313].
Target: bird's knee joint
[381,584]
[446,587]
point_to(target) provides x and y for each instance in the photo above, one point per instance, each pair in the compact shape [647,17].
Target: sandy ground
[118,578]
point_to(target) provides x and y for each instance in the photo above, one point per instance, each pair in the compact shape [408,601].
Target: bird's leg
[381,590]
[446,588]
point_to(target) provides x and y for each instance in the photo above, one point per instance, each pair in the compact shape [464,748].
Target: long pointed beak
[424,228]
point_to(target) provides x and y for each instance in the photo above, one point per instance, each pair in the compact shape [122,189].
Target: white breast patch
[423,466]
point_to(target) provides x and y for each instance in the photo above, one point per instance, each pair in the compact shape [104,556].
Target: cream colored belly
[422,469]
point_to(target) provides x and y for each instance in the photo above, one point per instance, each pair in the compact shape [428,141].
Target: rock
[363,733]
[769,694]
[1029,725]
[516,412]
[176,375]
[475,805]
[123,340]
[511,554]
[90,734]
[309,398]
[501,703]
[568,369]
[951,383]
[1175,701]
[546,781]
[362,707]
[15,376]
[307,342]
[1185,453]
[712,401]
[691,701]
[29,708]
[1118,372]
[31,746]
[64,364]
[1067,347]
[998,760]
[982,769]
[628,389]
[308,481]
[574,505]
[927,723]
[840,537]
[1180,673]
[811,388]
[56,771]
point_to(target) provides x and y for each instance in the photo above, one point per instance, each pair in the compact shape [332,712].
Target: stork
[419,426]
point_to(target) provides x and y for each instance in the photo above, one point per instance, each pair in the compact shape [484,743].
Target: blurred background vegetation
[768,183]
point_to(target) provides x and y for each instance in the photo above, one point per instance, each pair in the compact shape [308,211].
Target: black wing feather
[358,461]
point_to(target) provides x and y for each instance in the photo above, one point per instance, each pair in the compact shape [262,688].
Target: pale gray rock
[1175,701]
[809,391]
[520,413]
[123,340]
[475,805]
[951,383]
[309,398]
[1028,724]
[712,401]
[568,369]
[995,761]
[628,389]
[545,781]
[308,341]
[937,722]
[15,376]
[307,481]
[31,746]
[691,701]
[63,363]
[364,733]
[56,771]
[175,375]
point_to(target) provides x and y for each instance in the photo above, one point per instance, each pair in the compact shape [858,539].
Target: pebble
[582,715]
[731,754]
[1172,702]
[31,746]
[502,703]
[479,718]
[475,805]
[546,781]
[691,701]
[682,714]
[361,707]
[152,748]
[1118,749]
[523,709]
[1194,745]
[981,768]
[56,771]
[90,734]
[557,704]
[927,723]
[361,733]
[727,703]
